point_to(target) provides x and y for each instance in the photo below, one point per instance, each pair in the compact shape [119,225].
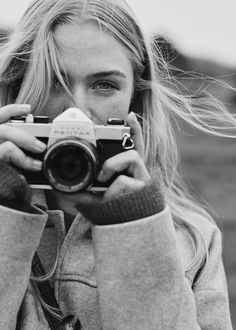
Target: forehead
[84,46]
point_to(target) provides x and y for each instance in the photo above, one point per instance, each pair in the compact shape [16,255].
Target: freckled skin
[85,51]
[100,76]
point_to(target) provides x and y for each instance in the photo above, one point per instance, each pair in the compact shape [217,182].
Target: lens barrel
[71,165]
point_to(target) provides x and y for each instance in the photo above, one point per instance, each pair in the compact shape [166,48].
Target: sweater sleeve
[142,282]
[20,233]
[126,207]
[210,289]
[14,190]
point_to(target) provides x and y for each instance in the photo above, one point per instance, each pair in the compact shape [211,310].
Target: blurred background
[198,37]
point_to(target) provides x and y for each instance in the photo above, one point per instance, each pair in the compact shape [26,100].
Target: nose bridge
[80,97]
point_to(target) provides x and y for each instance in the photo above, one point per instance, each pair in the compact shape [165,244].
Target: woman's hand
[130,162]
[14,141]
[131,176]
[138,195]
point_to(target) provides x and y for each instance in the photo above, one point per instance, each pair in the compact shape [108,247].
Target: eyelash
[110,85]
[57,86]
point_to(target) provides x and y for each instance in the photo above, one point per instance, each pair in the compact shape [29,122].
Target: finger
[128,161]
[123,184]
[10,153]
[11,110]
[136,133]
[21,139]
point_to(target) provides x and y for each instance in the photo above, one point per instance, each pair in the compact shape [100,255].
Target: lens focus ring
[71,165]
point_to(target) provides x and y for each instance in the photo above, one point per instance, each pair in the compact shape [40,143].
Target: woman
[143,255]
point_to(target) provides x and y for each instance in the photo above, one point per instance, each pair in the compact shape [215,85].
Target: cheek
[119,109]
[55,105]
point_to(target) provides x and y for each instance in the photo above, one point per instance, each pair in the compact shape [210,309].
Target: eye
[105,85]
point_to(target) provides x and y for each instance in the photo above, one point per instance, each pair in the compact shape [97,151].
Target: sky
[202,28]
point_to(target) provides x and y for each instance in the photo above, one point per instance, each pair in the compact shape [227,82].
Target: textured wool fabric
[126,276]
[126,207]
[15,193]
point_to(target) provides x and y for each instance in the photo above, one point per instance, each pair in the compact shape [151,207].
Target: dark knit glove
[15,192]
[127,207]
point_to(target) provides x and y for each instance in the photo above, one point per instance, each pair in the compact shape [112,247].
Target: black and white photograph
[117,165]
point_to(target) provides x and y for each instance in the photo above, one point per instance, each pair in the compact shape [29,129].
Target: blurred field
[209,163]
[209,167]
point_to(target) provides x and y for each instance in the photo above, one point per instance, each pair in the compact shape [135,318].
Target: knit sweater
[128,275]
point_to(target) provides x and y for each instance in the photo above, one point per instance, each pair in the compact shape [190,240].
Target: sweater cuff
[127,207]
[15,192]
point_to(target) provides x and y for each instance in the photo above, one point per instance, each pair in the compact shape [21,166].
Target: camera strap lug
[127,142]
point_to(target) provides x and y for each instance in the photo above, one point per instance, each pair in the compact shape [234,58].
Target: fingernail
[24,107]
[37,164]
[40,145]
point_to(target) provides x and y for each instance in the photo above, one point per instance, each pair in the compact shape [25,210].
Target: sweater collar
[39,199]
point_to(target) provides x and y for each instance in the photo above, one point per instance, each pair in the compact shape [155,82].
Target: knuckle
[7,132]
[9,109]
[27,161]
[7,150]
[21,160]
[3,128]
[8,146]
[5,114]
[122,180]
[106,165]
[134,155]
[133,152]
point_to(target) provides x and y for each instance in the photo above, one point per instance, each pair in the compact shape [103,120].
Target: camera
[76,149]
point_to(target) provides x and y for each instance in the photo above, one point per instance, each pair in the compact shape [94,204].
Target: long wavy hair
[29,61]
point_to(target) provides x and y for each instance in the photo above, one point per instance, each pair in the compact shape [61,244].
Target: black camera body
[76,149]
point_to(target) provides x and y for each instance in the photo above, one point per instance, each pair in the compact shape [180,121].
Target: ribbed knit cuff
[15,193]
[127,207]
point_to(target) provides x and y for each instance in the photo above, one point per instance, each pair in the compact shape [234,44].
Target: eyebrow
[103,74]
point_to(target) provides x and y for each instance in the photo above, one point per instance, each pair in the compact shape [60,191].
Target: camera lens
[71,165]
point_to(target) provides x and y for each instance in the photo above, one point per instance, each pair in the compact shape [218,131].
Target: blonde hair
[30,60]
